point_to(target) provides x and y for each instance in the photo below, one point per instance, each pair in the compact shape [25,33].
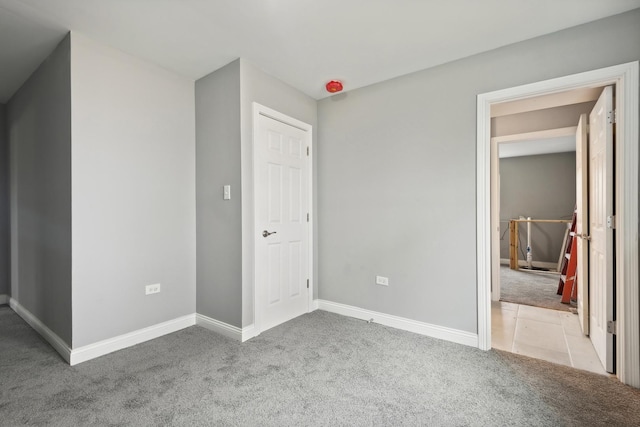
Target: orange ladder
[567,286]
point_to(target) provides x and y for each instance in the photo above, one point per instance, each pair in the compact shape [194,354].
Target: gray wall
[397,185]
[219,222]
[224,120]
[542,187]
[39,122]
[5,277]
[133,193]
[257,86]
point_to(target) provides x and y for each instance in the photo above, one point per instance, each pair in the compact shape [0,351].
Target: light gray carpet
[536,288]
[319,369]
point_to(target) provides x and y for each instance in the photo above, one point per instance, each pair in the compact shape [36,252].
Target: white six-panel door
[282,227]
[601,244]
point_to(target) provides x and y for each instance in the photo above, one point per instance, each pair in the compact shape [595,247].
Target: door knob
[265,233]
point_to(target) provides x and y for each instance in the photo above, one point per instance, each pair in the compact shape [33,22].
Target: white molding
[315,304]
[250,215]
[220,327]
[483,220]
[625,77]
[552,266]
[51,337]
[91,351]
[101,348]
[628,296]
[230,331]
[496,283]
[434,331]
[534,136]
[4,299]
[248,332]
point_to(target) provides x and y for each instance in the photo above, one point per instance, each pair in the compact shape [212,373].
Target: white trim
[51,337]
[4,299]
[483,221]
[220,327]
[434,331]
[628,295]
[230,331]
[248,332]
[496,283]
[315,305]
[258,110]
[101,348]
[541,134]
[625,77]
[551,266]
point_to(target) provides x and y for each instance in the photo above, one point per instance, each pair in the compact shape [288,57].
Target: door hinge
[307,151]
[307,217]
[307,283]
[611,221]
[611,327]
[611,116]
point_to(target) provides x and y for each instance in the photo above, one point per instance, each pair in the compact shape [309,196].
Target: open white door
[582,222]
[282,198]
[601,227]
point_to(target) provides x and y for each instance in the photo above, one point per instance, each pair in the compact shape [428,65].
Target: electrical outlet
[381,280]
[152,289]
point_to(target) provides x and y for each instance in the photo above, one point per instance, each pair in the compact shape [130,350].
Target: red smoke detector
[334,86]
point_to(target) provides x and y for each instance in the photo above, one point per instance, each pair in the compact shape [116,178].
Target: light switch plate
[381,280]
[226,192]
[152,289]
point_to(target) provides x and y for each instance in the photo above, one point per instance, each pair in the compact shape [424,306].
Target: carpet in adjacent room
[535,288]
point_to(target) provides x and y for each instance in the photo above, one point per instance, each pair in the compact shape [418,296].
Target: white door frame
[625,77]
[261,110]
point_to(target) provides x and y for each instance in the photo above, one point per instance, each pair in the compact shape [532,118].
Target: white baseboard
[541,264]
[222,328]
[314,305]
[56,342]
[101,348]
[434,331]
[248,332]
[4,299]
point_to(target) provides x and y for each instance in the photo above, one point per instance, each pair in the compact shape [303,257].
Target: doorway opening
[535,196]
[625,326]
[534,146]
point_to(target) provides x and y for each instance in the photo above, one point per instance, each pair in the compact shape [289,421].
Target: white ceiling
[303,42]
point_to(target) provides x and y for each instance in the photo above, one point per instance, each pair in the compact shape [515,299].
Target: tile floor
[545,334]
